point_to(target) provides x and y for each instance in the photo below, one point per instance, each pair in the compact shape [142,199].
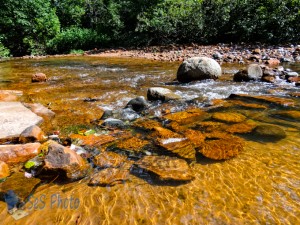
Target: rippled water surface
[260,186]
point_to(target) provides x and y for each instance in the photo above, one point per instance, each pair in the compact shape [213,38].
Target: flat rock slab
[14,119]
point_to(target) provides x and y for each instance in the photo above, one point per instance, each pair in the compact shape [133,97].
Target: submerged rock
[167,168]
[20,185]
[59,157]
[12,154]
[109,159]
[269,132]
[163,94]
[186,117]
[92,140]
[288,115]
[179,146]
[4,170]
[14,119]
[146,124]
[198,68]
[133,144]
[31,134]
[241,128]
[264,99]
[111,176]
[224,148]
[229,117]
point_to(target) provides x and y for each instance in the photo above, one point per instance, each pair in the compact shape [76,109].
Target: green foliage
[39,27]
[4,52]
[77,51]
[75,38]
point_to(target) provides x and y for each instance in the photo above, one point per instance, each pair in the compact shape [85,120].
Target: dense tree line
[58,26]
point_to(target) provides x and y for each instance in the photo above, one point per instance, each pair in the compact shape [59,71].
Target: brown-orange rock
[60,158]
[228,117]
[186,117]
[167,168]
[109,159]
[31,134]
[195,137]
[222,148]
[39,77]
[273,62]
[146,124]
[92,140]
[179,146]
[109,177]
[241,128]
[133,144]
[18,153]
[289,115]
[4,170]
[264,99]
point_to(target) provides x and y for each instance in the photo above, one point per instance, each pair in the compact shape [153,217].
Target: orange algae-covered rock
[133,144]
[109,159]
[146,124]
[160,132]
[195,137]
[179,146]
[222,148]
[167,168]
[93,140]
[265,99]
[109,177]
[241,128]
[228,117]
[186,117]
[289,115]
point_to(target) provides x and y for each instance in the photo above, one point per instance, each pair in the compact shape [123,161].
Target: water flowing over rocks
[198,68]
[14,119]
[10,95]
[167,168]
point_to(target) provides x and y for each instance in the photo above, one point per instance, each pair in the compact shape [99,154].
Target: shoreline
[222,53]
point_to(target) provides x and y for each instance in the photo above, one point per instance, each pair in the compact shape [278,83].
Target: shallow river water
[259,186]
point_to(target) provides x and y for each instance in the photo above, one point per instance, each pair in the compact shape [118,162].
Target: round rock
[198,68]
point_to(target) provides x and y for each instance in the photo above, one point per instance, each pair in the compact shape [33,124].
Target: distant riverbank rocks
[198,68]
[261,72]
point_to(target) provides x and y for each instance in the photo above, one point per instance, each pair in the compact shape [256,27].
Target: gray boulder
[198,68]
[253,72]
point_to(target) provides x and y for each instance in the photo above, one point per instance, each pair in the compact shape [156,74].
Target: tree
[26,25]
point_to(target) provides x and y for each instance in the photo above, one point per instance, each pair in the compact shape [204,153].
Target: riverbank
[223,53]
